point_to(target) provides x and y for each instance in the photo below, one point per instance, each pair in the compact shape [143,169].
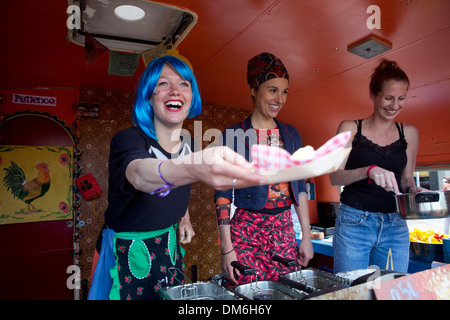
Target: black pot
[427,252]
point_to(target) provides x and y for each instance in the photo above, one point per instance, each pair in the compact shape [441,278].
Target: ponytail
[386,70]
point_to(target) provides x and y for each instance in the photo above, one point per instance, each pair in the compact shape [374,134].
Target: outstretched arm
[219,167]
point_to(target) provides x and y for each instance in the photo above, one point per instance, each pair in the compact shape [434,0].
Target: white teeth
[174,104]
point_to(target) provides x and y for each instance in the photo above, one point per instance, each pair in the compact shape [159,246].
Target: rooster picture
[27,191]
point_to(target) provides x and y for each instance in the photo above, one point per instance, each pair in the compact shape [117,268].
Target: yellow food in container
[428,236]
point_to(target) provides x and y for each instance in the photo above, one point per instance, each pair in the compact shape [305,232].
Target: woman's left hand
[305,252]
[185,230]
[417,189]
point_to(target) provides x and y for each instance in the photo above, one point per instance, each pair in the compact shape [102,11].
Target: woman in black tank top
[380,165]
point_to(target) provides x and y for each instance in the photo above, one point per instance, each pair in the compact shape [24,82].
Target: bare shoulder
[411,132]
[347,125]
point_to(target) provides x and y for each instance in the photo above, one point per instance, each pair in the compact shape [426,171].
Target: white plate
[328,163]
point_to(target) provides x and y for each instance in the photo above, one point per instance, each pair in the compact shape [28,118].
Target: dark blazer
[240,137]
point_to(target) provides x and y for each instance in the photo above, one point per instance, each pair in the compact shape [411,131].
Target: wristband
[369,169]
[223,254]
[166,186]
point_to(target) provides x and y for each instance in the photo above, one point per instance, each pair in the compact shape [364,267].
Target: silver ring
[234,183]
[188,236]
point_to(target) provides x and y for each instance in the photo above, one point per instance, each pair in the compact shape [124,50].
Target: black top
[367,196]
[133,210]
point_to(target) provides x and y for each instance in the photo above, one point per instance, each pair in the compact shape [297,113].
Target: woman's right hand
[223,169]
[384,178]
[227,269]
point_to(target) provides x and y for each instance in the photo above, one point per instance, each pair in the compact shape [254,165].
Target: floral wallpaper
[114,110]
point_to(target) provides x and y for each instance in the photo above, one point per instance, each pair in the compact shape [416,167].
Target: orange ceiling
[327,83]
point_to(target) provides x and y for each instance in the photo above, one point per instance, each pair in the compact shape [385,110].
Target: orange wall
[325,191]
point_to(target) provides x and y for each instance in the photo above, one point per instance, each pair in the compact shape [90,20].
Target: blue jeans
[363,238]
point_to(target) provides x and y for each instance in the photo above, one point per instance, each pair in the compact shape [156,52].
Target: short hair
[386,70]
[143,111]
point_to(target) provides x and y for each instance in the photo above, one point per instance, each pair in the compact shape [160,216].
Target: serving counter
[325,247]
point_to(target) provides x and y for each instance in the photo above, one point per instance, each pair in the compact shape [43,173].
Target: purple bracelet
[167,185]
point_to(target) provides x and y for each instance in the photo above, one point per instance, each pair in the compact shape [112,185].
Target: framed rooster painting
[36,183]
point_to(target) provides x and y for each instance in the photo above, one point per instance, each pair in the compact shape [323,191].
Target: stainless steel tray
[356,277]
[312,280]
[267,290]
[197,291]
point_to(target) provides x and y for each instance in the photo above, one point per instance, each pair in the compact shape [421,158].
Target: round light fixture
[129,13]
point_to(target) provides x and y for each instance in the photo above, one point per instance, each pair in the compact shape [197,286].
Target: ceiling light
[159,24]
[129,13]
[370,47]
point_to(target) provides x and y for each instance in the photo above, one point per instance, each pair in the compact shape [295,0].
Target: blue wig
[143,111]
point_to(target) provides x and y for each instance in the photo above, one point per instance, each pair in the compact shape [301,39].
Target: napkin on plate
[270,158]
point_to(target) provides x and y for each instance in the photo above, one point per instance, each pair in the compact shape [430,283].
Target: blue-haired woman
[151,167]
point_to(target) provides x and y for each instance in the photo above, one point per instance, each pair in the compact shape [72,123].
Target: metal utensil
[188,292]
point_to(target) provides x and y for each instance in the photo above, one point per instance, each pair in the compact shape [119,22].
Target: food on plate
[428,236]
[304,153]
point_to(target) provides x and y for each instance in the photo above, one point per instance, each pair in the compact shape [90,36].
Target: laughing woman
[381,164]
[262,224]
[151,167]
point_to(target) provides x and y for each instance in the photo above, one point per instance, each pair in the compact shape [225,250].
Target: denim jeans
[363,238]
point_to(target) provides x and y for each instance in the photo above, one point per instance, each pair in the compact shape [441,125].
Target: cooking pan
[264,290]
[208,290]
[197,291]
[423,205]
[267,290]
[314,280]
[307,280]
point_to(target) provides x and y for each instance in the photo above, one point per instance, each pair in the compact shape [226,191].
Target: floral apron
[257,237]
[142,263]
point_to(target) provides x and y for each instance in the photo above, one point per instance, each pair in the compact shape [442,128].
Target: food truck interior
[56,91]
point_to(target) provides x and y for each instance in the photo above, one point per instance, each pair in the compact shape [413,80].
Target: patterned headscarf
[263,67]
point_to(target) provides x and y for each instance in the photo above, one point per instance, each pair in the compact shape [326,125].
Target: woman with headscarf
[262,223]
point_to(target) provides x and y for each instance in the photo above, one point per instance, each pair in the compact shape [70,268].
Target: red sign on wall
[432,284]
[31,99]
